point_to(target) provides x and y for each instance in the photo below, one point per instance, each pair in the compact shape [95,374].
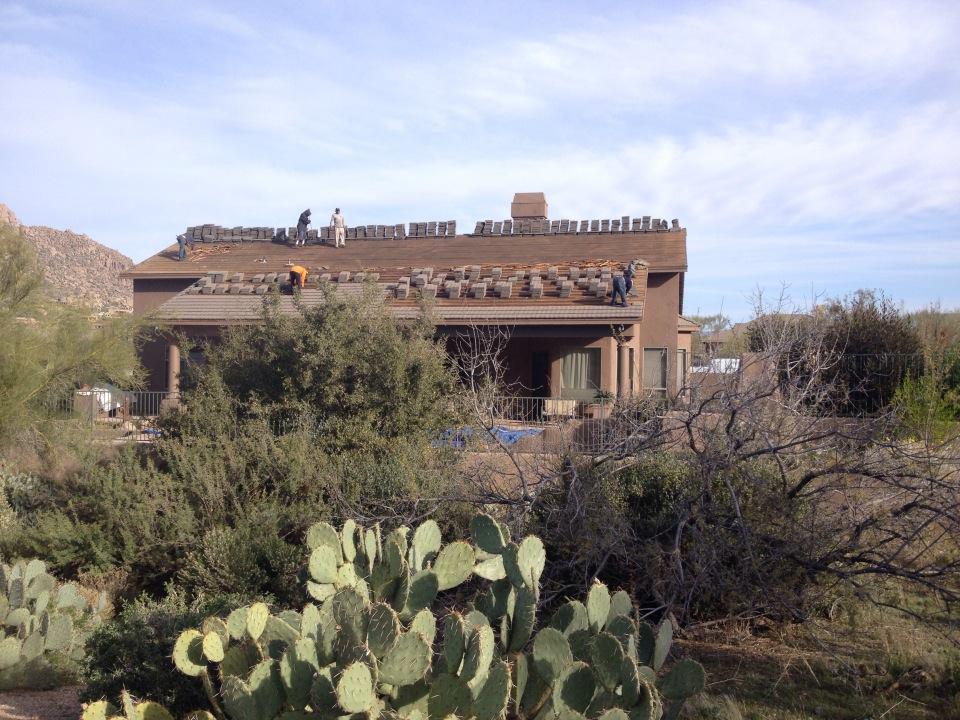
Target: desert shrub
[219,503]
[859,348]
[620,524]
[132,650]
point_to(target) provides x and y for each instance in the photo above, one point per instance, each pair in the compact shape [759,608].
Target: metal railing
[547,425]
[131,412]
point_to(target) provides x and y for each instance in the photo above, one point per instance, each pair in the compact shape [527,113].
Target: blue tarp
[459,437]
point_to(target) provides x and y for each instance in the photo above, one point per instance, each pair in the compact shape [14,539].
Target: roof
[687,325]
[663,250]
[475,294]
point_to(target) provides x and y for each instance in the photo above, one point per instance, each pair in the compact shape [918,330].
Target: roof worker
[619,290]
[628,272]
[302,224]
[298,276]
[181,247]
[339,228]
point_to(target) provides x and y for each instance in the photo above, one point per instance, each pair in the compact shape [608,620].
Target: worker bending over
[339,229]
[298,276]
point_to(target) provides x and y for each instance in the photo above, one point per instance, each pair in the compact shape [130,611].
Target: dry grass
[863,662]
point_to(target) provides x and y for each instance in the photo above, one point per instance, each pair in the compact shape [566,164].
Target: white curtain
[580,373]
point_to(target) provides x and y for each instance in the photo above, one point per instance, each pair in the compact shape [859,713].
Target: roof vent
[529,206]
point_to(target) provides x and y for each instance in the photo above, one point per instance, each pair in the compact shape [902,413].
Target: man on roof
[298,276]
[339,228]
[302,225]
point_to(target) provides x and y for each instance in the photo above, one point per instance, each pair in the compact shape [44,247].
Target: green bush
[132,650]
[217,505]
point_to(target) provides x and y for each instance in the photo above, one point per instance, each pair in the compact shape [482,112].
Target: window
[580,374]
[655,370]
[681,369]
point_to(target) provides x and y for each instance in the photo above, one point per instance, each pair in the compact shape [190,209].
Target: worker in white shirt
[339,228]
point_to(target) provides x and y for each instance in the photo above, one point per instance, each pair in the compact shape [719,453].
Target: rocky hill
[78,269]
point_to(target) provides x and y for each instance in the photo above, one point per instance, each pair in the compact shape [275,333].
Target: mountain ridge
[76,268]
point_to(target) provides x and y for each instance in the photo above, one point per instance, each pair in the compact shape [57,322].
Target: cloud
[821,141]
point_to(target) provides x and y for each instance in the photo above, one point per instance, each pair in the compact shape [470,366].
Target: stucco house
[549,281]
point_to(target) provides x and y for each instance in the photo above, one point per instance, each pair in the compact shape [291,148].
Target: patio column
[623,369]
[173,371]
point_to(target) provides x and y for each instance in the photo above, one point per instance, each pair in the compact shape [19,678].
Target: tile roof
[510,293]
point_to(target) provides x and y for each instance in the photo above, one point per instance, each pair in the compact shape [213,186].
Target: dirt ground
[59,704]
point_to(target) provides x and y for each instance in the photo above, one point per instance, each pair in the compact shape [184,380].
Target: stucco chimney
[529,206]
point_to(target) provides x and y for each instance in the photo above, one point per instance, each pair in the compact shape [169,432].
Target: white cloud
[271,126]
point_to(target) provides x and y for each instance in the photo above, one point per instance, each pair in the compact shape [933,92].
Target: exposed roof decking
[664,251]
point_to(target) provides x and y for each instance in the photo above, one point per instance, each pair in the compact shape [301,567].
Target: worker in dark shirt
[302,225]
[181,247]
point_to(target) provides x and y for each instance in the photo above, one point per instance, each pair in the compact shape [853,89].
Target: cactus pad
[212,647]
[238,699]
[9,652]
[454,564]
[523,618]
[598,606]
[322,533]
[383,629]
[606,655]
[449,696]
[491,700]
[487,534]
[355,688]
[323,565]
[98,710]
[426,540]
[351,613]
[454,642]
[237,623]
[297,668]
[479,653]
[149,710]
[574,688]
[426,624]
[407,661]
[684,680]
[662,646]
[551,654]
[524,562]
[59,632]
[614,714]
[257,619]
[348,536]
[188,653]
[421,593]
[491,569]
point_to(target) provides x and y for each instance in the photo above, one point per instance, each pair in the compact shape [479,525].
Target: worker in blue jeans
[181,247]
[619,288]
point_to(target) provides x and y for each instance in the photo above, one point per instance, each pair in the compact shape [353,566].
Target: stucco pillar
[623,369]
[173,371]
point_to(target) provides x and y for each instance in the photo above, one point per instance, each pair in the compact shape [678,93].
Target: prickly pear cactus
[43,622]
[371,646]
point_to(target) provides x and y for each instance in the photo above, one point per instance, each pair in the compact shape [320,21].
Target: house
[549,281]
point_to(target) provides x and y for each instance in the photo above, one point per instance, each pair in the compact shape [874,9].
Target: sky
[811,147]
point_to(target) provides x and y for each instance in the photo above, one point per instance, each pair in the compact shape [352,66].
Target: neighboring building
[549,280]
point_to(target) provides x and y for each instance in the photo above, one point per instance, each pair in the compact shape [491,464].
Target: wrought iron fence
[547,425]
[131,412]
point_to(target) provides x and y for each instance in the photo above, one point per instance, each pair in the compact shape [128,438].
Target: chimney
[529,206]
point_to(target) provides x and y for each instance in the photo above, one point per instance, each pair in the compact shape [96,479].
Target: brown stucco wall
[659,326]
